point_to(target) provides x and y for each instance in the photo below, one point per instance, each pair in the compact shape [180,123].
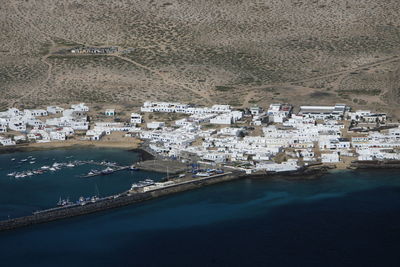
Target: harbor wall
[127,198]
[123,199]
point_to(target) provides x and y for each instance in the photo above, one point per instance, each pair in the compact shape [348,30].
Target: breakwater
[128,198]
[112,202]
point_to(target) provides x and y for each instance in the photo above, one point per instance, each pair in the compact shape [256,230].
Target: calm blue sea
[346,218]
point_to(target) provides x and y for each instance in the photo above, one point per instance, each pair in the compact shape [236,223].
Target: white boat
[52,169]
[11,174]
[56,164]
[23,160]
[70,165]
[45,167]
[32,162]
[202,174]
[12,159]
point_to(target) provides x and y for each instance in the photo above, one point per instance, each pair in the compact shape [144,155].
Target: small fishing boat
[133,168]
[107,170]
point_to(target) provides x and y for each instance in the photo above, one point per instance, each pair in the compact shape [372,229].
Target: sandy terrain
[236,52]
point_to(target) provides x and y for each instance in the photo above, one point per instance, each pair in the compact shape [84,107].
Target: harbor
[115,201]
[110,168]
[149,189]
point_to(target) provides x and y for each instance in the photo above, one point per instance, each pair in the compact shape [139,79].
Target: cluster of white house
[314,134]
[42,125]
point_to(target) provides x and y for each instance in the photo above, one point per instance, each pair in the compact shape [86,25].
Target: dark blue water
[22,196]
[344,219]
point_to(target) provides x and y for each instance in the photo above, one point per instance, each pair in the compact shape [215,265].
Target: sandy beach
[123,144]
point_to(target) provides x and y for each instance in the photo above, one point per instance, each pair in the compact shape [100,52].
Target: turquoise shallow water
[346,218]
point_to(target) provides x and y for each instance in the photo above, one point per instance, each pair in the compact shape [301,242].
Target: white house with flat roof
[54,110]
[324,112]
[155,125]
[110,112]
[7,141]
[80,107]
[279,112]
[136,118]
[330,157]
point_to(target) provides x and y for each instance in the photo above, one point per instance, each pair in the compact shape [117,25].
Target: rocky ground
[236,52]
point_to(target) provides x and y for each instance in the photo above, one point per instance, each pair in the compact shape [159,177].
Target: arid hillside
[237,52]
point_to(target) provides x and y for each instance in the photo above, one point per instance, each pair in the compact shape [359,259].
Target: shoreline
[126,198]
[71,144]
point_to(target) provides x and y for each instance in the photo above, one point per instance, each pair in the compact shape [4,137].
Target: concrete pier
[116,201]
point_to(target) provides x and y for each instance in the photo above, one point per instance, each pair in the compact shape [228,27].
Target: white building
[54,110]
[57,136]
[330,157]
[227,118]
[323,112]
[215,157]
[80,107]
[95,135]
[110,112]
[279,112]
[136,118]
[256,111]
[155,125]
[35,113]
[7,141]
[290,165]
[367,116]
[182,108]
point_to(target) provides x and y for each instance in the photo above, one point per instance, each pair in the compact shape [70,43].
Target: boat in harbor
[64,202]
[70,165]
[202,174]
[142,184]
[107,170]
[133,168]
[45,167]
